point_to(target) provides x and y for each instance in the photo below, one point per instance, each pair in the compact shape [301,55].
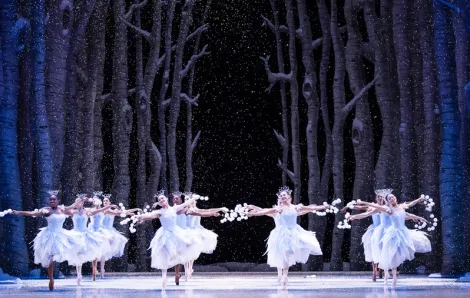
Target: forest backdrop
[132,96]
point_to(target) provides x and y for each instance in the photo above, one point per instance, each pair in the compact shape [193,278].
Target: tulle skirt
[169,248]
[96,246]
[420,241]
[397,247]
[367,243]
[62,245]
[209,240]
[118,244]
[289,246]
[376,243]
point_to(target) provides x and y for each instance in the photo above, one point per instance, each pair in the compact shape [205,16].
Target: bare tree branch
[107,96]
[280,138]
[197,32]
[368,52]
[348,107]
[285,169]
[196,139]
[193,60]
[274,77]
[268,23]
[192,101]
[166,103]
[145,34]
[82,74]
[317,42]
[128,15]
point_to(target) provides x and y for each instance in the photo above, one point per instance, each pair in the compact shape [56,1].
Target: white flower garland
[5,212]
[332,209]
[345,224]
[428,202]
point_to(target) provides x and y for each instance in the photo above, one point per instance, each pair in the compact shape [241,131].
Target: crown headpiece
[107,196]
[97,193]
[283,189]
[177,193]
[53,193]
[160,194]
[81,195]
[384,191]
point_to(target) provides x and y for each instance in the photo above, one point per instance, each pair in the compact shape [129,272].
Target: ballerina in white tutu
[397,244]
[171,244]
[372,239]
[54,243]
[193,223]
[96,244]
[288,243]
[272,239]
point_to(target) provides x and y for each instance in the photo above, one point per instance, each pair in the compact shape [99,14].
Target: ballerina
[96,244]
[170,246]
[293,244]
[119,241]
[193,223]
[54,243]
[397,245]
[272,239]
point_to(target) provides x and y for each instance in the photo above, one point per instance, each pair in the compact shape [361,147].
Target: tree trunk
[163,90]
[176,94]
[70,162]
[384,169]
[336,263]
[362,138]
[122,117]
[430,136]
[13,250]
[462,52]
[190,142]
[25,142]
[450,177]
[320,222]
[99,104]
[309,92]
[282,84]
[58,31]
[294,108]
[401,22]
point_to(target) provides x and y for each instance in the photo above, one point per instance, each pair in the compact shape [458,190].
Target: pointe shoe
[93,274]
[374,277]
[51,285]
[102,274]
[177,279]
[164,283]
[381,273]
[394,283]
[284,283]
[79,280]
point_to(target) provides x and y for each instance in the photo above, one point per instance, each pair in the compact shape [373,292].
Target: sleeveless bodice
[276,220]
[197,222]
[181,220]
[191,221]
[288,218]
[398,219]
[96,221]
[385,220]
[168,218]
[55,222]
[376,220]
[108,221]
[80,222]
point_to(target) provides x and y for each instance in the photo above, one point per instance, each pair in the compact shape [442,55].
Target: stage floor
[249,285]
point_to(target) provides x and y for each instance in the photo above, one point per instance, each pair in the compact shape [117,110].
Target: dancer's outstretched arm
[29,213]
[148,216]
[213,210]
[310,208]
[104,209]
[253,207]
[407,205]
[376,206]
[183,205]
[364,214]
[69,209]
[116,211]
[203,213]
[410,216]
[354,208]
[268,211]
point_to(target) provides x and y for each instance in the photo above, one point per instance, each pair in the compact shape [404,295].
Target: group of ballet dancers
[181,238]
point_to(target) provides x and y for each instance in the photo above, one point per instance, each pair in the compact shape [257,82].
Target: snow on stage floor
[240,285]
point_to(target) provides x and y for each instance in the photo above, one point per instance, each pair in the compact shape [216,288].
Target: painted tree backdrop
[92,96]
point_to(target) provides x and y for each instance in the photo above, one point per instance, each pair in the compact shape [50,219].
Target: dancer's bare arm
[364,214]
[268,211]
[407,205]
[410,216]
[30,213]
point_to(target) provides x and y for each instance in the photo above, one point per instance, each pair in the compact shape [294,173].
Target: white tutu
[367,243]
[209,238]
[96,225]
[96,244]
[172,245]
[377,235]
[397,245]
[170,248]
[56,242]
[118,243]
[288,243]
[420,241]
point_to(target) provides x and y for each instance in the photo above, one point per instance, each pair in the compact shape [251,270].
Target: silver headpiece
[160,194]
[97,193]
[107,196]
[283,189]
[177,193]
[384,192]
[53,193]
[81,195]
